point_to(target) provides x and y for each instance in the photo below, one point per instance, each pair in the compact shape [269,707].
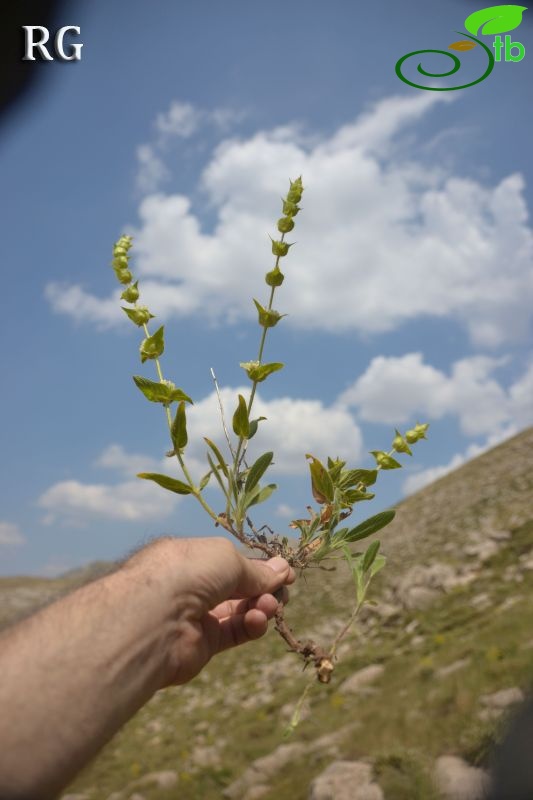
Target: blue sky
[408,294]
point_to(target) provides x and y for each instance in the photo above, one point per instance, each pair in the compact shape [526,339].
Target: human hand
[220,599]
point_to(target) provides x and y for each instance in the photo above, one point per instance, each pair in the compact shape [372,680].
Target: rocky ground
[424,686]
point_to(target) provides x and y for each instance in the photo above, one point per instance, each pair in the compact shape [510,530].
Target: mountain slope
[453,626]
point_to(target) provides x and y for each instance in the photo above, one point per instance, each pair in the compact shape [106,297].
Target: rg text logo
[37,36]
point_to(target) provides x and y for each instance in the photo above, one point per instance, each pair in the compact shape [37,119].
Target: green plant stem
[342,633]
[296,714]
[195,490]
[241,442]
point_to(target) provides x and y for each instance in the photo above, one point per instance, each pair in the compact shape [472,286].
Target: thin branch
[222,412]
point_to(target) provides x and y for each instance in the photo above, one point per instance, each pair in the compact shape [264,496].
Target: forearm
[71,675]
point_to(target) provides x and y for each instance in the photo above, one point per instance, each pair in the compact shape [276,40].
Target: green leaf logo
[495,19]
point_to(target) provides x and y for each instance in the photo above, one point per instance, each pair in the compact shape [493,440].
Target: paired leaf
[153,346]
[378,564]
[160,392]
[218,455]
[352,496]
[335,469]
[258,372]
[241,423]
[178,431]
[369,526]
[370,555]
[354,476]
[172,484]
[205,480]
[214,470]
[264,494]
[384,460]
[321,483]
[257,470]
[495,19]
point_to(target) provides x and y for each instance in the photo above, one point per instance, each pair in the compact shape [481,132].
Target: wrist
[156,574]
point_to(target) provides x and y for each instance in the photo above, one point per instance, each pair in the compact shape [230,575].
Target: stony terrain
[423,688]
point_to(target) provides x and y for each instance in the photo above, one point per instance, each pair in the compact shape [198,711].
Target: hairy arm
[75,672]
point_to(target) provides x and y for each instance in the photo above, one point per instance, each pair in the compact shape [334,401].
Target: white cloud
[11,535]
[180,122]
[151,170]
[127,464]
[285,511]
[418,480]
[381,240]
[76,503]
[395,389]
[293,428]
[83,306]
[181,119]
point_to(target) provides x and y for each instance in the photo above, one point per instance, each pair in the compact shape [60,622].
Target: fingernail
[278,564]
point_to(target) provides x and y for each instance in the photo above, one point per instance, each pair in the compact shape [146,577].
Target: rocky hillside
[423,688]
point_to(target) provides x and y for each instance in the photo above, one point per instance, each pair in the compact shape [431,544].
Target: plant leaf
[321,483]
[494,19]
[257,470]
[153,346]
[214,470]
[384,460]
[159,392]
[378,564]
[254,425]
[241,423]
[462,44]
[335,469]
[371,553]
[356,495]
[218,455]
[205,480]
[354,476]
[172,484]
[258,372]
[370,526]
[264,494]
[178,430]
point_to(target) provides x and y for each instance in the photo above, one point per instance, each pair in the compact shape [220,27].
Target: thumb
[263,577]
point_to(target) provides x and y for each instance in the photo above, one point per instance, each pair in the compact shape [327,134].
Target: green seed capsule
[411,436]
[123,275]
[294,194]
[125,242]
[421,430]
[285,224]
[140,315]
[400,445]
[280,248]
[121,262]
[290,209]
[275,277]
[131,294]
